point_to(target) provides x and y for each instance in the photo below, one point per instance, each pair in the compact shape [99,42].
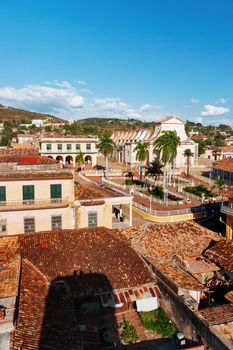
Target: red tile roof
[218,314]
[62,253]
[35,160]
[92,192]
[225,164]
[47,316]
[19,151]
[9,266]
[222,254]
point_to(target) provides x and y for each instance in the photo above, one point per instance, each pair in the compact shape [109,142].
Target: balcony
[227,209]
[34,204]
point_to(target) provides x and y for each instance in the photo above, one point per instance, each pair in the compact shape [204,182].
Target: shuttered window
[28,192]
[56,222]
[55,191]
[29,224]
[92,219]
[3,227]
[2,193]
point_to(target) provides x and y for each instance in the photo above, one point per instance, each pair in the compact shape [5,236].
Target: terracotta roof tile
[159,243]
[92,192]
[9,266]
[88,250]
[222,254]
[218,314]
[225,164]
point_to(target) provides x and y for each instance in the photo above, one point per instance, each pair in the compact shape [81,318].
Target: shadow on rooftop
[75,319]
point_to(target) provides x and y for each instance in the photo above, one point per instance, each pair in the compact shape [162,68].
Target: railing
[101,172]
[31,204]
[134,190]
[199,209]
[226,209]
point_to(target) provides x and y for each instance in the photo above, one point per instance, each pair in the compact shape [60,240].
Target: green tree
[47,128]
[106,147]
[188,154]
[141,154]
[220,184]
[155,169]
[201,147]
[167,145]
[79,158]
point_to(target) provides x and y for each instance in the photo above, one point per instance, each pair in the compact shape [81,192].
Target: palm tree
[141,154]
[220,184]
[79,158]
[188,154]
[106,146]
[155,169]
[167,145]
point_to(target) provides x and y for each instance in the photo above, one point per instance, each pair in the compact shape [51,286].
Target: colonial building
[227,209]
[126,142]
[34,195]
[95,207]
[223,170]
[64,149]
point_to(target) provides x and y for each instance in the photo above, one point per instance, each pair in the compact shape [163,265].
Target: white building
[37,122]
[126,142]
[65,148]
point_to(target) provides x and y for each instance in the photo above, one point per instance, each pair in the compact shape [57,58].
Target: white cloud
[149,108]
[214,110]
[43,98]
[194,100]
[221,100]
[65,100]
[81,82]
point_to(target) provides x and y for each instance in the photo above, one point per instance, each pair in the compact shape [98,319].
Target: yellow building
[34,195]
[95,207]
[65,148]
[228,211]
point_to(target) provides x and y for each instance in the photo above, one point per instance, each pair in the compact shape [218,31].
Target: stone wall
[189,322]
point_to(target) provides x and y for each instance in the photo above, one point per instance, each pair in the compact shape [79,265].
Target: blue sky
[125,58]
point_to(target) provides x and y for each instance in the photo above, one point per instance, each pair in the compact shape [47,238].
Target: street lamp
[165,195]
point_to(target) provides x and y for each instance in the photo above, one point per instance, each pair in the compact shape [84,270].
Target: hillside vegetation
[19,115]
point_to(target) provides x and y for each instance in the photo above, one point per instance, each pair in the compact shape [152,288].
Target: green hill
[10,114]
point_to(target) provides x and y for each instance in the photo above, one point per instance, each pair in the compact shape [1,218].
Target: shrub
[129,182]
[157,191]
[198,190]
[129,334]
[158,321]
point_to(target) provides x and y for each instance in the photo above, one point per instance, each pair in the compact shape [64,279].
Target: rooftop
[92,192]
[225,164]
[19,151]
[161,242]
[222,254]
[59,268]
[9,266]
[87,250]
[218,314]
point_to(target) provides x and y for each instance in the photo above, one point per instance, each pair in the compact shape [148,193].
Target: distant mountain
[113,124]
[9,114]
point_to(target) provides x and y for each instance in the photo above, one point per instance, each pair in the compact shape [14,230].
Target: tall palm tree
[167,145]
[220,184]
[155,168]
[106,146]
[141,154]
[188,154]
[79,158]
